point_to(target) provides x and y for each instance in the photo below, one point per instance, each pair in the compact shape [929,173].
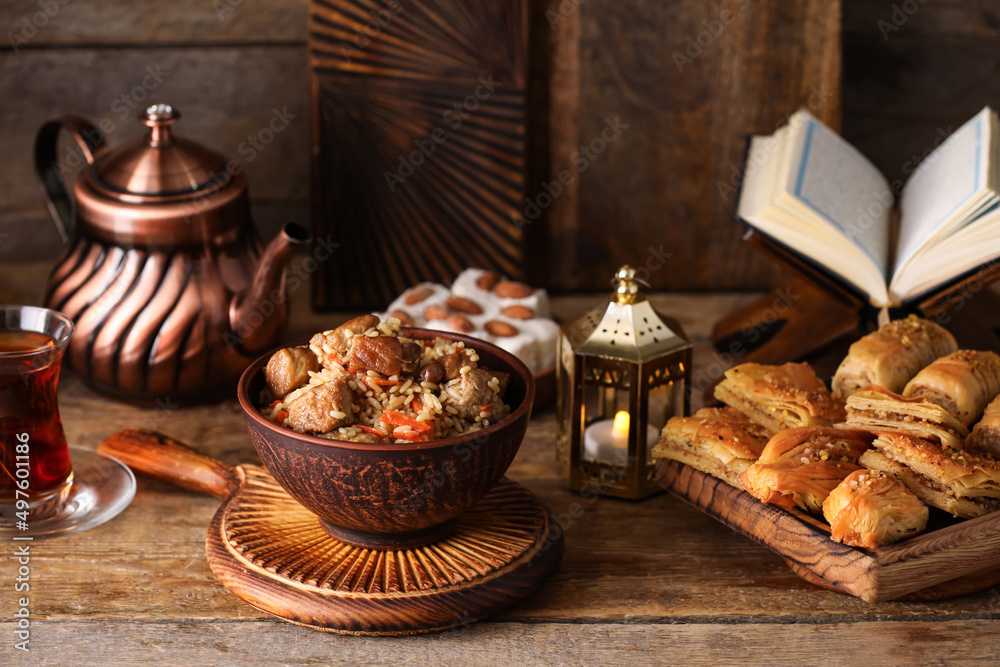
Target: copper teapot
[163,273]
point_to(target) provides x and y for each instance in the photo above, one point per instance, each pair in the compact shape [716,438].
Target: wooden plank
[907,89]
[226,96]
[921,80]
[920,19]
[635,643]
[119,22]
[667,180]
[28,235]
[553,127]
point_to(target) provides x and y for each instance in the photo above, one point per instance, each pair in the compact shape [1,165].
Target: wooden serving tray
[954,559]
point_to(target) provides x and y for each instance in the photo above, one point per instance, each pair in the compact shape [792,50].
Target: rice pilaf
[397,408]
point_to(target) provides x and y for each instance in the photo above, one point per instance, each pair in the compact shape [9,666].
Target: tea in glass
[34,457]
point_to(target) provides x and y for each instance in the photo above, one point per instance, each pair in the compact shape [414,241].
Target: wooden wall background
[231,62]
[912,76]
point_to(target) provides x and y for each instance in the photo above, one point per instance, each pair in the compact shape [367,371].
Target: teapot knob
[159,118]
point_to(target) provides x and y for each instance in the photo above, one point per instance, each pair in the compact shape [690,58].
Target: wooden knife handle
[166,459]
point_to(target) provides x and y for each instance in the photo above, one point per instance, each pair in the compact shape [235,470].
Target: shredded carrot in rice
[400,434]
[399,419]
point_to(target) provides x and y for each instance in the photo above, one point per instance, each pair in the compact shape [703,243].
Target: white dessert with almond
[485,305]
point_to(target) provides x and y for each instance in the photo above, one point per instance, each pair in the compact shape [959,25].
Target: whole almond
[459,323]
[435,312]
[518,312]
[462,305]
[512,290]
[488,280]
[418,294]
[403,318]
[498,328]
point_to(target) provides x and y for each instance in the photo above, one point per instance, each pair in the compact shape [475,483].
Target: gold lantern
[623,371]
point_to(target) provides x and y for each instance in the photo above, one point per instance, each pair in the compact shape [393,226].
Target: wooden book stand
[800,318]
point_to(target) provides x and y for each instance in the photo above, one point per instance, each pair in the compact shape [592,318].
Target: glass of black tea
[39,492]
[34,457]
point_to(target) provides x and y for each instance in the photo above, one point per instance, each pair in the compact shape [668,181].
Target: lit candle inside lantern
[607,439]
[619,430]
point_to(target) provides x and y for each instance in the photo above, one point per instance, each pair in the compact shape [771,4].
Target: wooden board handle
[168,460]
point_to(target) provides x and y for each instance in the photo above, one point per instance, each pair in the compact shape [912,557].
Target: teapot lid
[160,165]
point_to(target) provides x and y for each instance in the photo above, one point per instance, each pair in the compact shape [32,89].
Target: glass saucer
[102,487]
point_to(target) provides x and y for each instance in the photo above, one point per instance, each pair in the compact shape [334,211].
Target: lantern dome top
[627,327]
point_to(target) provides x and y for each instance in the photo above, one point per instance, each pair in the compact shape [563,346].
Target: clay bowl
[392,496]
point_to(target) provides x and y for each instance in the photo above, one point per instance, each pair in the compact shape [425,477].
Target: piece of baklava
[963,383]
[877,409]
[779,397]
[985,438]
[719,441]
[872,509]
[800,466]
[957,482]
[891,356]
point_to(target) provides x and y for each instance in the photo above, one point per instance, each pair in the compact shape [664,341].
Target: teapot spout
[255,315]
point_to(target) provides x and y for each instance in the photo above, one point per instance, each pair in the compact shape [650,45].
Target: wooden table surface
[650,582]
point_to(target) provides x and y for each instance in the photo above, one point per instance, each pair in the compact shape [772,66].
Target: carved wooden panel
[418,141]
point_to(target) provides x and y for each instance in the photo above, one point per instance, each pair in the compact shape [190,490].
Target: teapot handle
[47,167]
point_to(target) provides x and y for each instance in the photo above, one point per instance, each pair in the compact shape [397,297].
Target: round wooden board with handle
[271,552]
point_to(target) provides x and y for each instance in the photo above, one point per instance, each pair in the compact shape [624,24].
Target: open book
[812,192]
